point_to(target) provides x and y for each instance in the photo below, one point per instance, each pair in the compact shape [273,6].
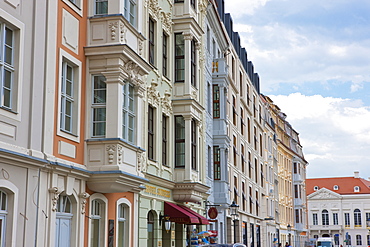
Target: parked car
[224,245]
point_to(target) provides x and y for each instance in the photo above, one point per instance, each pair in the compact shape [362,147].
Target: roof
[345,185]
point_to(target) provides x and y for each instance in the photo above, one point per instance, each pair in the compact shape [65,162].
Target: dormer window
[335,187]
[315,188]
[356,189]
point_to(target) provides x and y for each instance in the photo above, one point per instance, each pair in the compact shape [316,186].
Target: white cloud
[334,132]
[247,7]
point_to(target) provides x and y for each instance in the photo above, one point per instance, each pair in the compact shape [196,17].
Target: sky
[313,59]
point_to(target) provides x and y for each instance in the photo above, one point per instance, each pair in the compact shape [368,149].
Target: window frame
[347,220]
[194,145]
[216,101]
[315,220]
[95,106]
[103,218]
[130,11]
[151,132]
[193,62]
[151,41]
[357,218]
[64,60]
[17,27]
[129,101]
[165,54]
[123,202]
[165,120]
[179,59]
[96,3]
[216,163]
[179,141]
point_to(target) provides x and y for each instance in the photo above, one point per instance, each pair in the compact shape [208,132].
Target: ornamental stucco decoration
[166,103]
[83,196]
[111,149]
[113,26]
[154,9]
[153,94]
[120,154]
[167,22]
[141,161]
[54,200]
[188,36]
[123,32]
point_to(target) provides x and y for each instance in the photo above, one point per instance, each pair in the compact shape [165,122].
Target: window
[193,144]
[335,218]
[349,240]
[193,64]
[367,220]
[99,106]
[315,188]
[314,219]
[358,240]
[128,113]
[150,227]
[123,223]
[243,158]
[150,132]
[217,163]
[179,141]
[97,224]
[63,222]
[164,140]
[325,217]
[295,167]
[335,187]
[297,216]
[151,41]
[179,58]
[192,3]
[3,216]
[179,1]
[164,57]
[235,153]
[68,106]
[368,239]
[346,220]
[356,189]
[216,101]
[357,217]
[101,7]
[129,11]
[7,67]
[234,110]
[242,120]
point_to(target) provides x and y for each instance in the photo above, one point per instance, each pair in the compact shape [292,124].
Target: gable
[324,193]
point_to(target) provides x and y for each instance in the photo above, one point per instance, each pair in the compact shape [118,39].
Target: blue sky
[313,58]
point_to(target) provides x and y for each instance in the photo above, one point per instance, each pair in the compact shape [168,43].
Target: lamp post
[234,213]
[167,222]
[289,227]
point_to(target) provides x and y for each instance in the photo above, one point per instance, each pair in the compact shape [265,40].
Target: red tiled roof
[345,185]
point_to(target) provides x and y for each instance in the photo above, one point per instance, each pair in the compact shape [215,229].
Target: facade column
[188,37]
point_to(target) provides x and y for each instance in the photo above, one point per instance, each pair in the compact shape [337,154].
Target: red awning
[183,215]
[179,215]
[203,220]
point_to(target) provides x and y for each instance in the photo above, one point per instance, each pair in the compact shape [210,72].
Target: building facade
[339,207]
[118,117]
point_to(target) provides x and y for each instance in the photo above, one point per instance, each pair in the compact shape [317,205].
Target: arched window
[3,214]
[123,223]
[356,189]
[358,240]
[357,216]
[325,217]
[150,220]
[97,229]
[63,223]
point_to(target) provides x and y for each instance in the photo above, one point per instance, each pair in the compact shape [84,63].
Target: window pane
[8,46]
[101,7]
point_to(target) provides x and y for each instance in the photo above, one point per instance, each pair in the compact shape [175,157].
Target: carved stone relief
[113,26]
[83,196]
[166,103]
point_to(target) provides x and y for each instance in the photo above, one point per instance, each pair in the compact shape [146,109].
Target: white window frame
[103,218]
[128,113]
[95,10]
[64,58]
[130,11]
[68,217]
[96,106]
[10,215]
[127,222]
[18,40]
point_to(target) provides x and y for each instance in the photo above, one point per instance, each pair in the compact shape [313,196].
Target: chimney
[357,174]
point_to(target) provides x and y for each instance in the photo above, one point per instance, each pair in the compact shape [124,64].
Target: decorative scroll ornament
[154,8]
[111,149]
[167,21]
[55,198]
[120,154]
[153,94]
[141,161]
[83,196]
[188,36]
[166,103]
[123,31]
[113,26]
